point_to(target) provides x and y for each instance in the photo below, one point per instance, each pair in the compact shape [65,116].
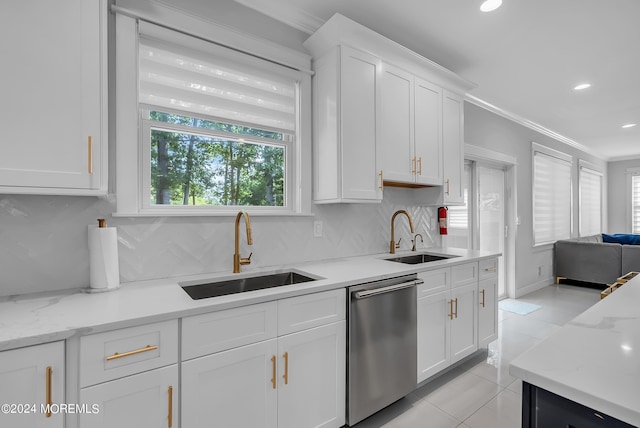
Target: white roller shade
[635,207]
[590,202]
[551,198]
[179,72]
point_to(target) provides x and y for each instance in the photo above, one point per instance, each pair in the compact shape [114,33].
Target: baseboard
[534,287]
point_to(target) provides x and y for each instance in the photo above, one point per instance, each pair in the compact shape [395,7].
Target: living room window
[218,129]
[551,195]
[590,199]
[634,179]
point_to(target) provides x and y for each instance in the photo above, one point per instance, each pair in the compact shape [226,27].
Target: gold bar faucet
[393,245]
[237,260]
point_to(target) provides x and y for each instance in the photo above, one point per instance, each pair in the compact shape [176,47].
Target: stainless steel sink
[415,259]
[203,290]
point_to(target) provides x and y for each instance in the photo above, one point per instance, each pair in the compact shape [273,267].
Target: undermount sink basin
[203,290]
[415,259]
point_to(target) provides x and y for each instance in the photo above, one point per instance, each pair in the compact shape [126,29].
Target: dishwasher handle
[388,289]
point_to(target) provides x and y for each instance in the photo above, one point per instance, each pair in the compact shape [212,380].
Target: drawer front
[311,310]
[488,268]
[118,353]
[464,274]
[435,281]
[218,331]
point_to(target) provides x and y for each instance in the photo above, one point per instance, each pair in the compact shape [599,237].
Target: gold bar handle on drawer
[170,416]
[48,391]
[130,353]
[450,309]
[285,376]
[273,372]
[490,269]
[482,303]
[381,181]
[90,154]
[420,165]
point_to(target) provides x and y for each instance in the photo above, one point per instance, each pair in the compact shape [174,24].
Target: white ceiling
[525,57]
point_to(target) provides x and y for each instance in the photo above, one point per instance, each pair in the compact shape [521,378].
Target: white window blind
[183,73]
[590,201]
[635,203]
[551,196]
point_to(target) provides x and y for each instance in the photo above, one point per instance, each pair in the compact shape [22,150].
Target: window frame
[632,173]
[131,156]
[539,149]
[588,168]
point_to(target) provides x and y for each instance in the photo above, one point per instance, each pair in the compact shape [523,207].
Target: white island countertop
[593,360]
[39,318]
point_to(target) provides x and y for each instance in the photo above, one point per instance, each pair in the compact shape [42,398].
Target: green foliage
[197,169]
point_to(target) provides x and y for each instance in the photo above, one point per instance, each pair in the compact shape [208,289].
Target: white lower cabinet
[30,379]
[294,380]
[447,317]
[144,400]
[488,302]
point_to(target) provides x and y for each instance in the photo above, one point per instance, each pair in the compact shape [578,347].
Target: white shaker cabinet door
[232,389]
[434,339]
[31,378]
[311,385]
[144,400]
[453,147]
[464,338]
[487,311]
[53,111]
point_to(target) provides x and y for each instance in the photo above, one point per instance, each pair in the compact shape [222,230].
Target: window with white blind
[218,129]
[551,195]
[590,183]
[635,202]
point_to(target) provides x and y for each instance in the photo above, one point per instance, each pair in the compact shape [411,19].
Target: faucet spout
[237,259]
[393,245]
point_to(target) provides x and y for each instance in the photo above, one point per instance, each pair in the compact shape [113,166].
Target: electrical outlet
[317,229]
[539,270]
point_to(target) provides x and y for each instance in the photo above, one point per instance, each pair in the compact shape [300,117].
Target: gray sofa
[589,259]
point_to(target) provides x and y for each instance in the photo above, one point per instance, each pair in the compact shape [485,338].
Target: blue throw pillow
[621,238]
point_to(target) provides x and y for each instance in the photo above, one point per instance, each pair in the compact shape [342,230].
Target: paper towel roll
[103,258]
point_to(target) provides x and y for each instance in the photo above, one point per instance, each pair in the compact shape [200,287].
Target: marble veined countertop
[593,360]
[39,318]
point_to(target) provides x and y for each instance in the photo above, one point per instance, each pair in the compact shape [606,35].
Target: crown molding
[293,17]
[531,125]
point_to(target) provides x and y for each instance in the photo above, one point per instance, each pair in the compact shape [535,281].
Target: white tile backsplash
[43,239]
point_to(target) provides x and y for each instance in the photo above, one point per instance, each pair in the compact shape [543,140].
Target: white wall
[488,130]
[619,221]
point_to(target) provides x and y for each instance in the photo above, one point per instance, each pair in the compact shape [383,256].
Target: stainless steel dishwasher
[381,345]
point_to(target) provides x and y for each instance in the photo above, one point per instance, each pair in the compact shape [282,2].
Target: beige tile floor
[480,393]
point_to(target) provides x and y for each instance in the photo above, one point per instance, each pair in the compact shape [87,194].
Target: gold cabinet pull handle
[128,354]
[448,185]
[285,376]
[456,312]
[482,303]
[170,416]
[48,391]
[273,372]
[90,154]
[490,269]
[413,171]
[420,165]
[381,181]
[450,309]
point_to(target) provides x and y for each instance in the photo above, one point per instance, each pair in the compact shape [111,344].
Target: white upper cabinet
[53,111]
[415,130]
[344,131]
[453,147]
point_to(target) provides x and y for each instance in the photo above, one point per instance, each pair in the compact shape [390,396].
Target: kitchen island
[589,370]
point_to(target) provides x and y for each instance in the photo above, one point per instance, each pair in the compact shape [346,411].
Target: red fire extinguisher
[442,220]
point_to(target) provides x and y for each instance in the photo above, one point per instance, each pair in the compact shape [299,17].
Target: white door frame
[509,164]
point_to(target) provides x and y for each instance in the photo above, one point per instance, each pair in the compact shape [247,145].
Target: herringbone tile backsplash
[43,239]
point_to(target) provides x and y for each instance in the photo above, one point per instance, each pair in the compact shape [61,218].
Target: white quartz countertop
[39,318]
[593,360]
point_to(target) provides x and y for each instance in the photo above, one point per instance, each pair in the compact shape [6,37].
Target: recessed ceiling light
[582,86]
[490,5]
[629,125]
